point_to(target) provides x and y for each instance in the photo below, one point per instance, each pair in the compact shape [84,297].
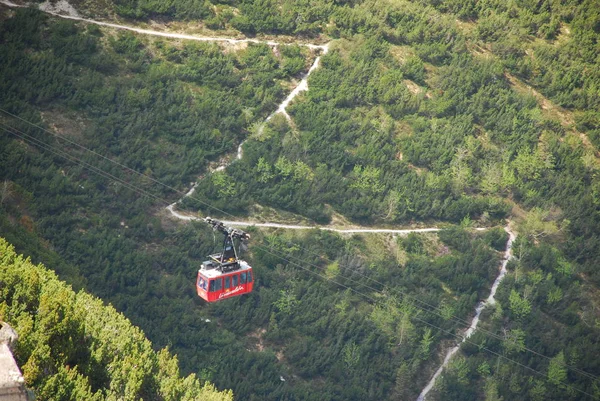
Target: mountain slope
[73,347]
[421,111]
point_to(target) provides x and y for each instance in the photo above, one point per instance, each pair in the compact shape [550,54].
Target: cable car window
[249,276]
[218,284]
[202,283]
[243,278]
[235,280]
[227,282]
[211,287]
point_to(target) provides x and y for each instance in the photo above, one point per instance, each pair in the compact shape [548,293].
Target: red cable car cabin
[213,285]
[224,275]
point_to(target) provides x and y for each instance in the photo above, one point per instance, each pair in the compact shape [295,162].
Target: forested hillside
[453,113]
[73,347]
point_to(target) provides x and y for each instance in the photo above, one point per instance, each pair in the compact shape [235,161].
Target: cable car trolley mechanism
[224,275]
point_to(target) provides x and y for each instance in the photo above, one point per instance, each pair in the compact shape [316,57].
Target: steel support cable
[433,310]
[32,140]
[432,307]
[44,146]
[93,152]
[372,299]
[455,318]
[460,320]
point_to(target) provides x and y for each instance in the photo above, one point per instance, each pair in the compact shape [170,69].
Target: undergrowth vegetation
[462,113]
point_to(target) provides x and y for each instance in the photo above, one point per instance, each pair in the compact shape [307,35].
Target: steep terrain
[419,114]
[73,347]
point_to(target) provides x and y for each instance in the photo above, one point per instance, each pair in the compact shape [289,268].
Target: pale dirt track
[302,86]
[73,16]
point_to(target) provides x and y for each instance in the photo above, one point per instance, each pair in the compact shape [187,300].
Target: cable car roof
[213,273]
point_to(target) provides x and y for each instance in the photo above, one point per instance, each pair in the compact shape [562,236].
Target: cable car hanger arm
[228,258]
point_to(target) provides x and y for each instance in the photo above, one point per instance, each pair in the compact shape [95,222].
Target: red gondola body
[212,285]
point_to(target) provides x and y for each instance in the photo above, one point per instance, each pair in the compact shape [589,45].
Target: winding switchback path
[68,12]
[73,15]
[281,108]
[63,9]
[475,322]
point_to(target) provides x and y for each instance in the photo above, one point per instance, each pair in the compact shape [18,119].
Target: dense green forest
[457,112]
[73,347]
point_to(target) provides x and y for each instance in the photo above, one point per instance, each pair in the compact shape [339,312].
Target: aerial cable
[433,310]
[454,317]
[93,152]
[171,188]
[44,146]
[76,160]
[142,191]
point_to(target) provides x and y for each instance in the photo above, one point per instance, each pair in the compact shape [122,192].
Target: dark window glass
[218,284]
[250,276]
[243,278]
[235,280]
[227,282]
[211,288]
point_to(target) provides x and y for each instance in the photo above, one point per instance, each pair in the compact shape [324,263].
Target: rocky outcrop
[12,384]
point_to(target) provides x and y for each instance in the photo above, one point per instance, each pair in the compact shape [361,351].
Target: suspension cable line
[14,131]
